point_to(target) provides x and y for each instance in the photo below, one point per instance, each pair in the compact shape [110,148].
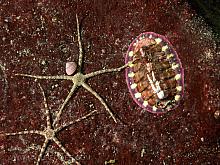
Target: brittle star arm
[64,103]
[106,71]
[65,151]
[24,132]
[42,151]
[67,125]
[43,148]
[80,45]
[61,77]
[47,112]
[76,121]
[87,87]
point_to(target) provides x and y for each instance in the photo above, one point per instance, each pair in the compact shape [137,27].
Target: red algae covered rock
[38,38]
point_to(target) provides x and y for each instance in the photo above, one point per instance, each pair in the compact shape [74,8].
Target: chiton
[155,76]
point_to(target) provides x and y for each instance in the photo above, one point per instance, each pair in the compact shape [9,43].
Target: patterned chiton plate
[155,76]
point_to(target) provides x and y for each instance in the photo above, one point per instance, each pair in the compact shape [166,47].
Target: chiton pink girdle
[155,75]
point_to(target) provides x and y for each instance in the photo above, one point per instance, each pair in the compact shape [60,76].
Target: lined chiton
[155,76]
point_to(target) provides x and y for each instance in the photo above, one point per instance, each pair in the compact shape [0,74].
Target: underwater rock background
[39,37]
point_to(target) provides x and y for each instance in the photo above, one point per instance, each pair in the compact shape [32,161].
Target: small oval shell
[155,78]
[70,68]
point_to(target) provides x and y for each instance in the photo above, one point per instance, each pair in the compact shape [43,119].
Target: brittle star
[79,79]
[50,132]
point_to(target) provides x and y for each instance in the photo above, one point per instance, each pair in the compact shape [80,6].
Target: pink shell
[70,68]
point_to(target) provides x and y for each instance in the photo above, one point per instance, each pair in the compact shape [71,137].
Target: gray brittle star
[50,132]
[79,79]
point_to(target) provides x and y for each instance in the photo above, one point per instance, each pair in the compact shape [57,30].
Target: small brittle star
[79,79]
[50,132]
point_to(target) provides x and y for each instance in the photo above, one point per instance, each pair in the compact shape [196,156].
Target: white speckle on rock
[202,139]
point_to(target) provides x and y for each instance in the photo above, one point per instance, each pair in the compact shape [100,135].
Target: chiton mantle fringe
[155,77]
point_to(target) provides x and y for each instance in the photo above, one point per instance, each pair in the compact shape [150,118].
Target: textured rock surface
[38,38]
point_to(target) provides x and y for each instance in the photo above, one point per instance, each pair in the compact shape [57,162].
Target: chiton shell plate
[155,76]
